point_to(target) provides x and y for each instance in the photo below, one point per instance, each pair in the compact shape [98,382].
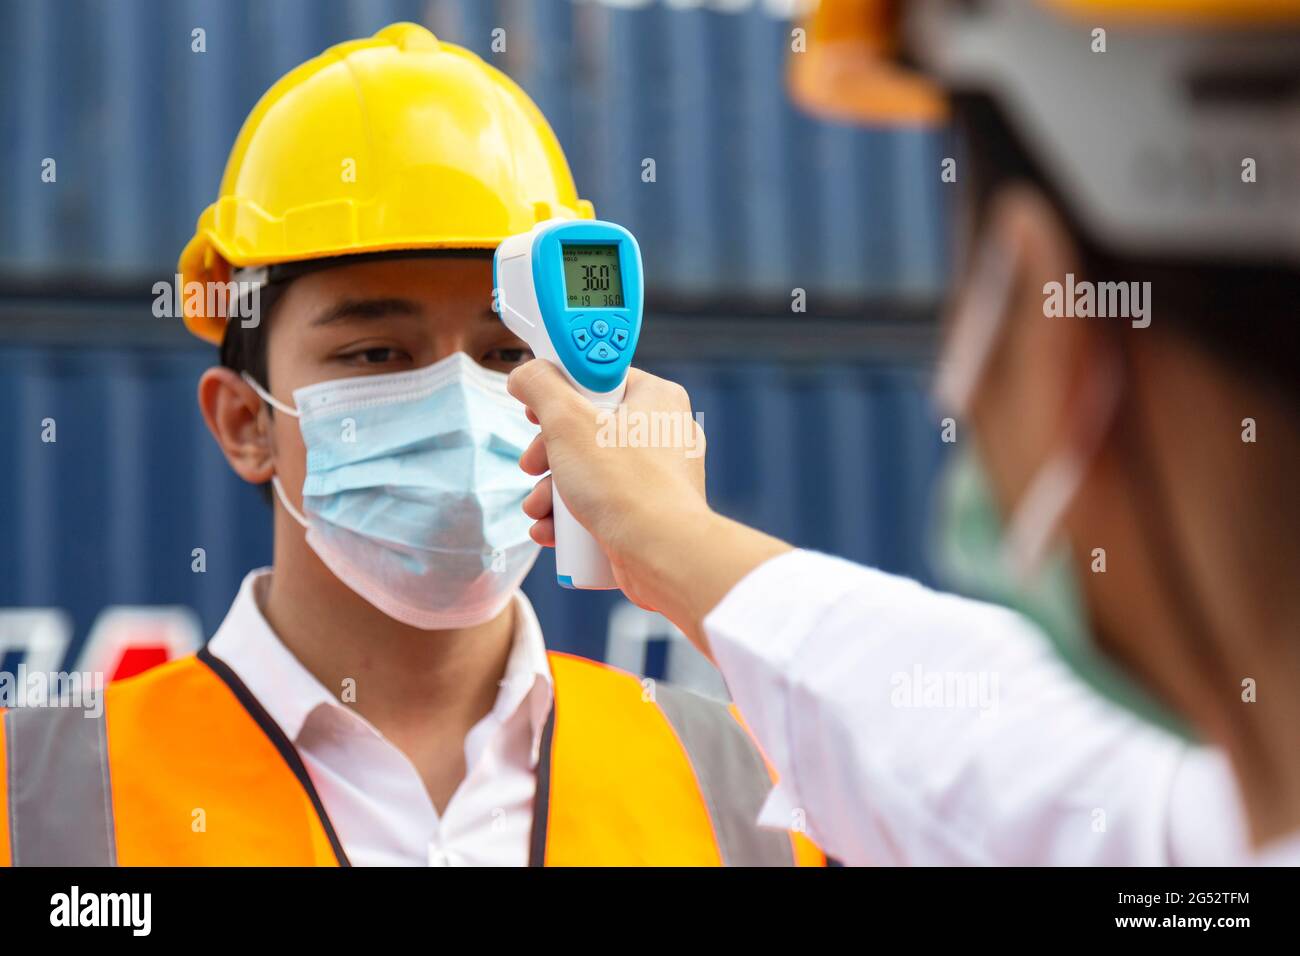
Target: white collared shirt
[373,794]
[914,727]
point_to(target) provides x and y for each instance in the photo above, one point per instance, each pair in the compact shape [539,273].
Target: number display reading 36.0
[591,276]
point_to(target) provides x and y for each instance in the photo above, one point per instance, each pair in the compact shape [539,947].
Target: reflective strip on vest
[60,799]
[732,777]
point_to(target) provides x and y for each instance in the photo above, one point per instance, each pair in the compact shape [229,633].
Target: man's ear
[238,421]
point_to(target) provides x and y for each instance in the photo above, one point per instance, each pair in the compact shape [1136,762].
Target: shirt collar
[287,690]
[290,693]
[527,680]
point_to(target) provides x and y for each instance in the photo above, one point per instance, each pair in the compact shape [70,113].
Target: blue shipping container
[750,199]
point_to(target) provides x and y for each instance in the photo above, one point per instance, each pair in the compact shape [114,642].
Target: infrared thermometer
[572,290]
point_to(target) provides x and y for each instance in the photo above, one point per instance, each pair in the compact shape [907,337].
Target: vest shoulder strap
[677,779]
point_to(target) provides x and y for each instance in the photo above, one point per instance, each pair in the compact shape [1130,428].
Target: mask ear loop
[294,513]
[267,397]
[275,403]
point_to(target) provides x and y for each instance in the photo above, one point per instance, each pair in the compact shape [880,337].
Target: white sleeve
[914,727]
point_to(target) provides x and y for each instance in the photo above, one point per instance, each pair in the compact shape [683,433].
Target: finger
[531,417]
[543,532]
[537,504]
[533,461]
[660,393]
[542,388]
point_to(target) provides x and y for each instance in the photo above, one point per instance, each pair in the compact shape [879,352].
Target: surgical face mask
[413,491]
[1019,563]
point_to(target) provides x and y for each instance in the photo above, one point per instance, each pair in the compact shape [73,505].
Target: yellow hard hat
[399,141]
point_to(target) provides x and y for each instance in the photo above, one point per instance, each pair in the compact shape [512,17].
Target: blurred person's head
[358,214]
[1124,343]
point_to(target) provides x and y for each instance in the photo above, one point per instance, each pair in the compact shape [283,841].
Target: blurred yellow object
[399,141]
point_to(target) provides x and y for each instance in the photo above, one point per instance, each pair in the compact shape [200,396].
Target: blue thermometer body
[573,290]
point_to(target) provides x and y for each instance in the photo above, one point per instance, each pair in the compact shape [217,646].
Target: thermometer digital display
[591,276]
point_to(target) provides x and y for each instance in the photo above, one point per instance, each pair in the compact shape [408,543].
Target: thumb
[543,388]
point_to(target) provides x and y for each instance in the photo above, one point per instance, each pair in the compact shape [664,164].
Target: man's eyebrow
[366,309]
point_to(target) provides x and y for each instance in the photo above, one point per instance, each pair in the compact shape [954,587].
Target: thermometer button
[600,328]
[619,338]
[602,354]
[581,338]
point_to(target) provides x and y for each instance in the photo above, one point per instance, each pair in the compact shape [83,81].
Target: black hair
[243,348]
[1241,314]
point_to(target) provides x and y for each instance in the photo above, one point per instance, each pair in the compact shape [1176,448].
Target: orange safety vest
[183,767]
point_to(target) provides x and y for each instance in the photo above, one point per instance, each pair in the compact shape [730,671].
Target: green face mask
[972,557]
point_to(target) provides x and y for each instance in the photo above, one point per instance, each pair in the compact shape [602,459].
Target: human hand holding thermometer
[572,289]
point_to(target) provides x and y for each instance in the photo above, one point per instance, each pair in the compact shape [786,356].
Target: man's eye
[375,356]
[507,356]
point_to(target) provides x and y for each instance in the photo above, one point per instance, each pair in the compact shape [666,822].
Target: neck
[424,690]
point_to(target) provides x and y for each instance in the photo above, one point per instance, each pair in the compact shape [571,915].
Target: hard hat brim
[203,262]
[851,83]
